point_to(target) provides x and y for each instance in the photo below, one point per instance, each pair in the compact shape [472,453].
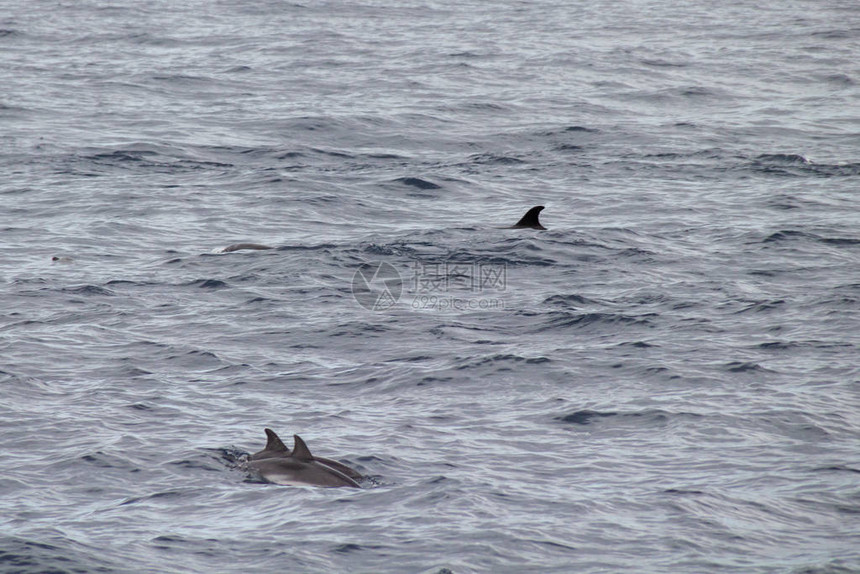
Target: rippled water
[664,380]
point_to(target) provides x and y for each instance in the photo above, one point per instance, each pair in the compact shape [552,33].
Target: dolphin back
[277,464]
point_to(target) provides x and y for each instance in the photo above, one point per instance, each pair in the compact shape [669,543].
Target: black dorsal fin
[530,219]
[274,443]
[301,450]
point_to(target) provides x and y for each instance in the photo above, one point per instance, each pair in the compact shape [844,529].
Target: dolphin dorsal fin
[274,443]
[530,219]
[301,450]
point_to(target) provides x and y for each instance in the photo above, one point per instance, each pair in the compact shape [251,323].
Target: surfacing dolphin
[278,465]
[529,220]
[275,448]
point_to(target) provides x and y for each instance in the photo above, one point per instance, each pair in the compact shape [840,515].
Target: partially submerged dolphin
[529,220]
[277,464]
[275,448]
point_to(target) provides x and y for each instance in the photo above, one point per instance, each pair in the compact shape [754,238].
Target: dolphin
[275,448]
[529,220]
[297,468]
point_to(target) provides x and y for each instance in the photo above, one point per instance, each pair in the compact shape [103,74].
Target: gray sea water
[665,380]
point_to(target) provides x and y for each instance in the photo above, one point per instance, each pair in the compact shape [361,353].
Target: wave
[88,290]
[60,555]
[797,235]
[745,367]
[569,301]
[207,284]
[796,165]
[417,182]
[647,418]
[564,320]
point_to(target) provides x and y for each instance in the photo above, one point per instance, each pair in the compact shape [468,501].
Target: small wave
[130,371]
[791,234]
[661,63]
[800,425]
[196,465]
[838,34]
[491,158]
[647,417]
[569,148]
[837,170]
[156,496]
[697,91]
[784,235]
[763,306]
[431,379]
[786,345]
[683,491]
[569,300]
[288,155]
[583,417]
[21,555]
[299,247]
[325,199]
[560,319]
[502,360]
[417,182]
[489,106]
[339,154]
[181,78]
[140,407]
[841,241]
[568,130]
[260,300]
[789,158]
[358,330]
[161,159]
[745,367]
[414,359]
[838,468]
[839,79]
[640,345]
[123,155]
[465,54]
[777,345]
[207,284]
[394,249]
[102,460]
[88,290]
[789,164]
[348,547]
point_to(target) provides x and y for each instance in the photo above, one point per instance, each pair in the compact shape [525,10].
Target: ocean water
[665,380]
